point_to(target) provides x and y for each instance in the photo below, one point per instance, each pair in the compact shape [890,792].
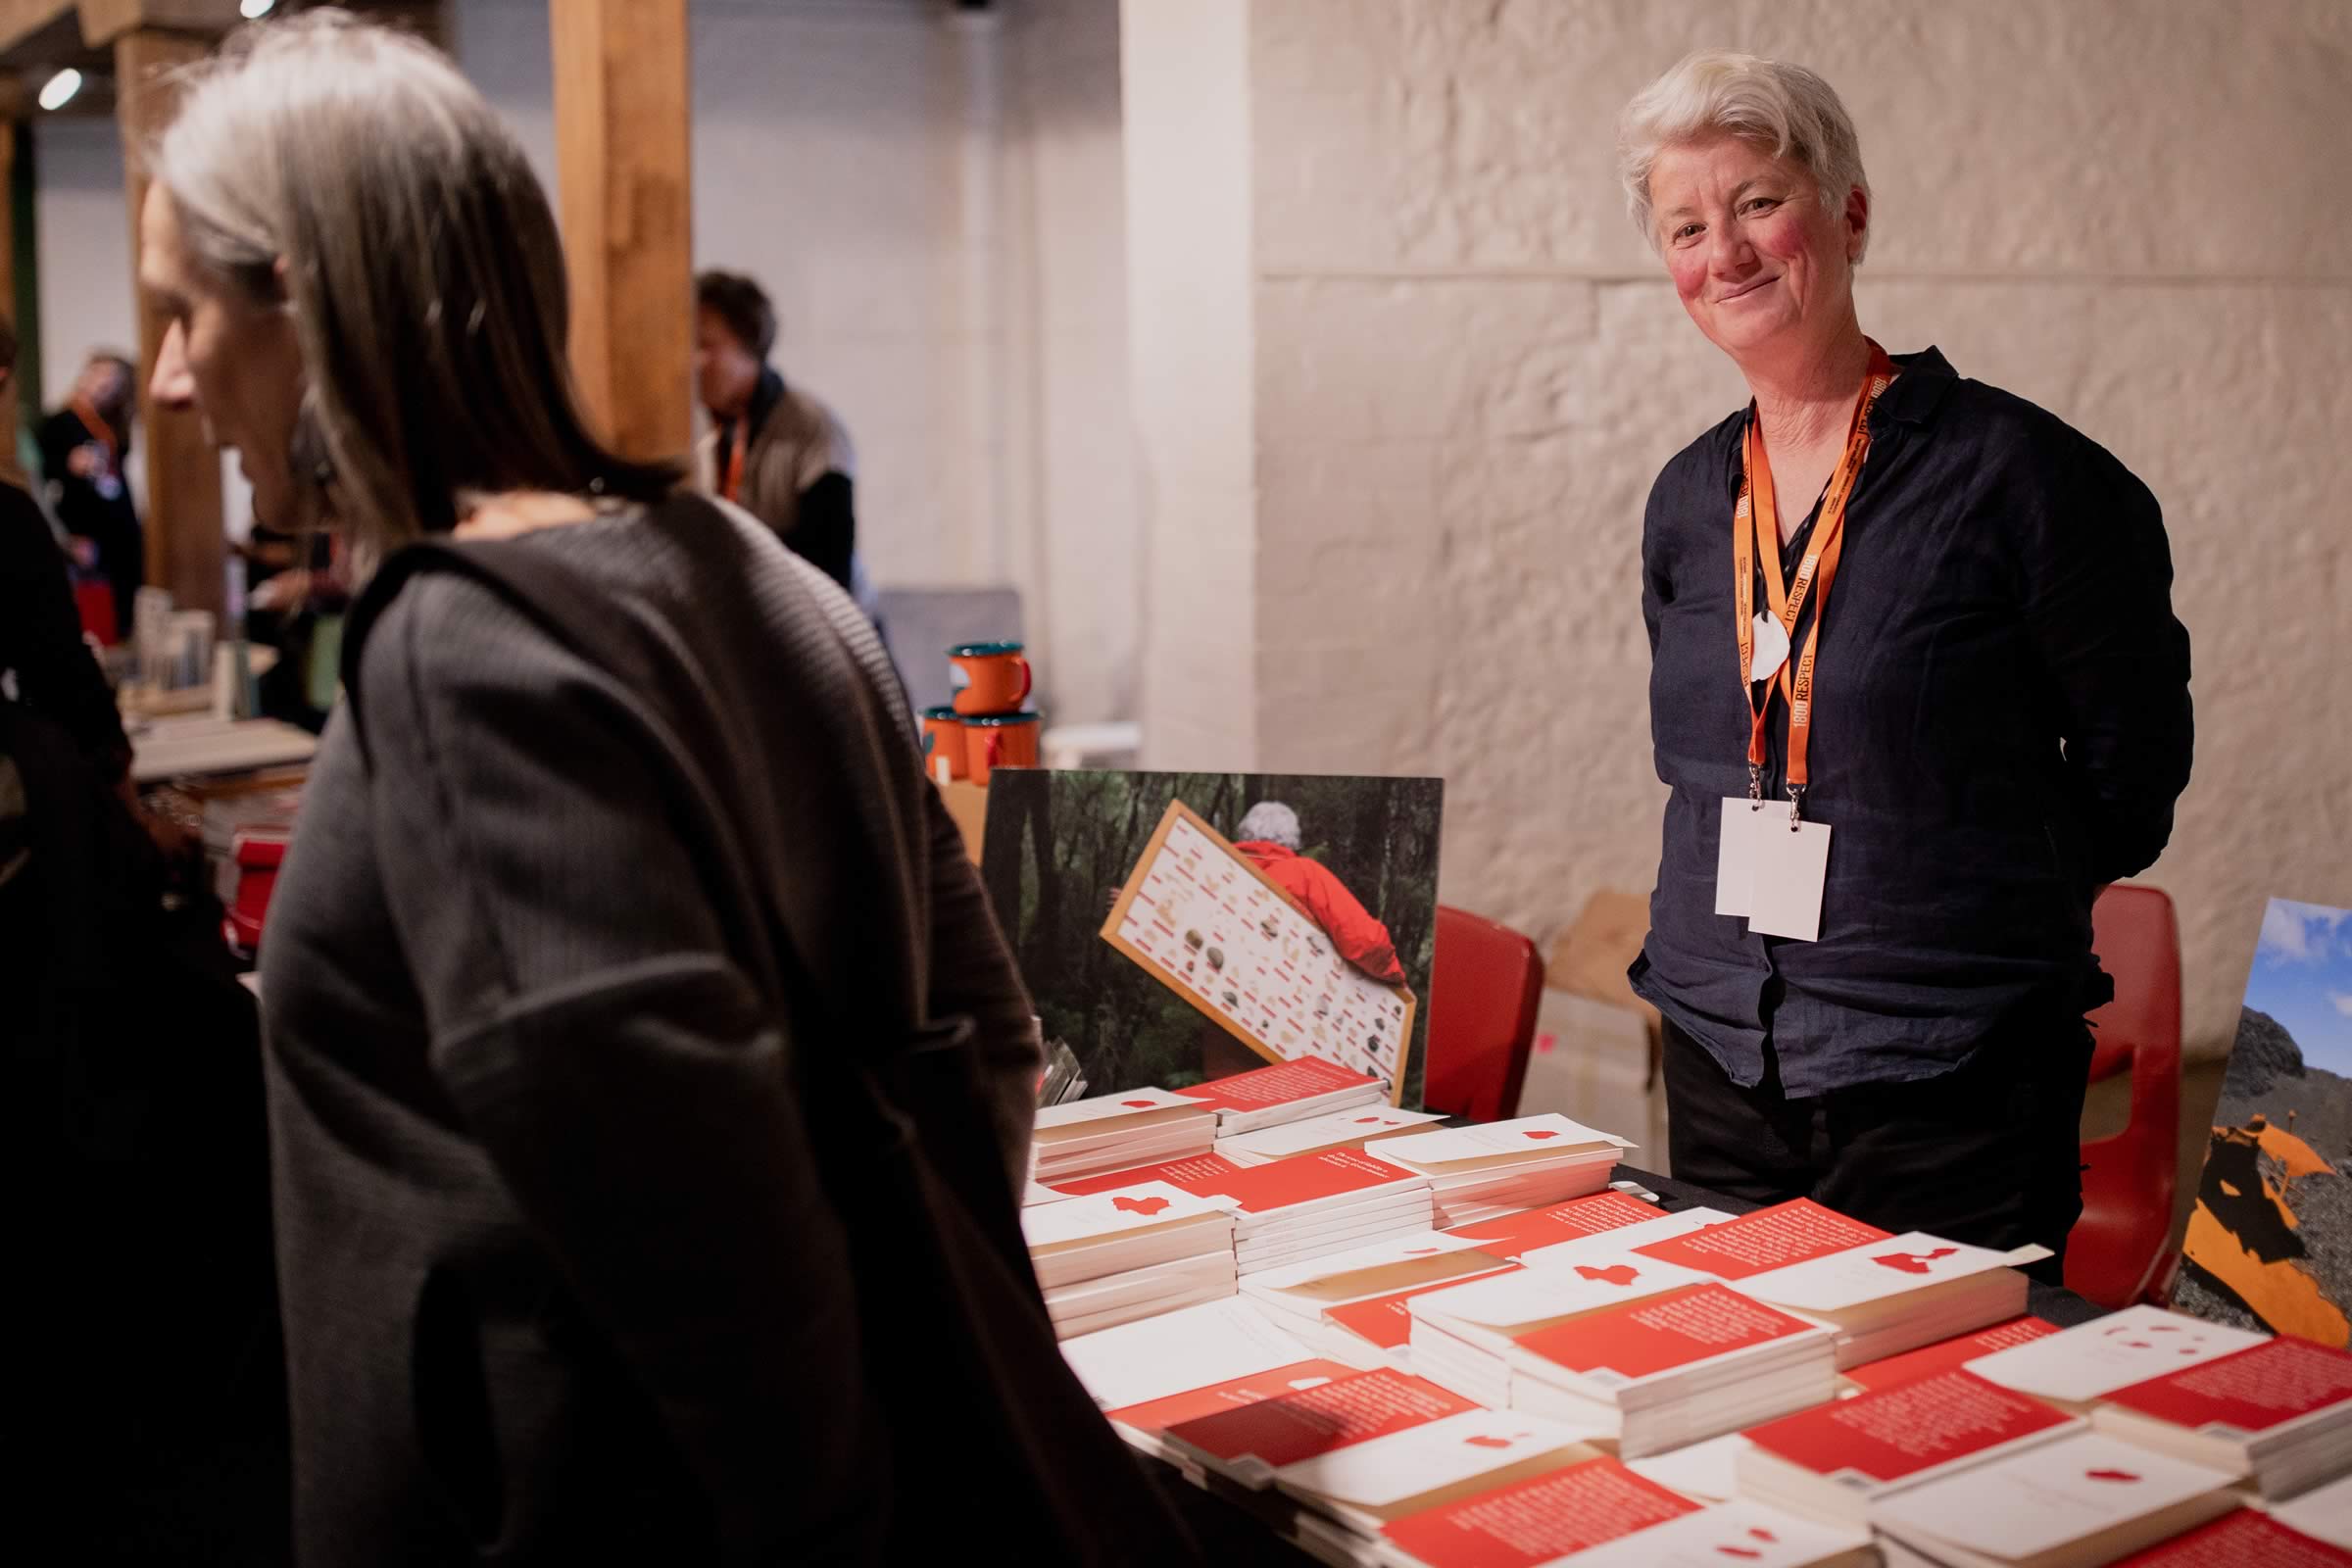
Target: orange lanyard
[1756,530]
[730,486]
[98,426]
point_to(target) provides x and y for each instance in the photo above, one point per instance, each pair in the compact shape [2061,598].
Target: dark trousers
[1987,1154]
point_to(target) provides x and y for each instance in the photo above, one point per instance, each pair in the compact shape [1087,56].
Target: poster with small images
[1207,923]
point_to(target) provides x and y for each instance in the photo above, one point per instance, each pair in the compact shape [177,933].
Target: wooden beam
[20,19]
[184,550]
[105,21]
[621,135]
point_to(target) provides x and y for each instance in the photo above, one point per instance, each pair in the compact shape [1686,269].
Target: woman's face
[232,360]
[1760,265]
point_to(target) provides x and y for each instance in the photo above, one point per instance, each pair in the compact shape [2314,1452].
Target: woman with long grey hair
[647,1082]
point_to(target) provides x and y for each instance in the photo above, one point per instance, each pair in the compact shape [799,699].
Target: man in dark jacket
[84,447]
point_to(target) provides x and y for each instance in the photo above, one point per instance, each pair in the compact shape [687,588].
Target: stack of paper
[1287,1092]
[1370,1449]
[1668,1370]
[1197,1174]
[1463,1337]
[2280,1412]
[2324,1513]
[1485,1173]
[1311,1206]
[2085,1498]
[1339,1129]
[2076,1366]
[1947,1356]
[1351,1304]
[1537,1521]
[1527,1229]
[2242,1537]
[1611,1244]
[1834,1461]
[1117,1256]
[1110,1131]
[1135,1370]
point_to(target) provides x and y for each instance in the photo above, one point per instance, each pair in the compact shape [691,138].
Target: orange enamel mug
[1000,740]
[943,742]
[990,677]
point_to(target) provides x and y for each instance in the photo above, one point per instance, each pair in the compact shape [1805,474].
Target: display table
[1230,1532]
[191,747]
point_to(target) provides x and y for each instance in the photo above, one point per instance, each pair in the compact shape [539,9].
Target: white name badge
[1790,872]
[1772,648]
[1735,851]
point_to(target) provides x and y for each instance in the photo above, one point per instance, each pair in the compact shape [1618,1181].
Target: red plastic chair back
[2120,1251]
[94,602]
[1486,984]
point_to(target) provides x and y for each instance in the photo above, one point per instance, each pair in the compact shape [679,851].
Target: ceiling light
[255,10]
[59,91]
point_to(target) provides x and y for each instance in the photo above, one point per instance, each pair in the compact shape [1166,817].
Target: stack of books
[1287,1092]
[1351,1304]
[1338,1129]
[1193,1350]
[1602,1212]
[1197,1174]
[1113,1132]
[1368,1450]
[1946,1356]
[2077,1367]
[1537,1521]
[1463,1337]
[2082,1500]
[1497,1168]
[2280,1412]
[2244,1535]
[1670,1369]
[1613,1244]
[1117,1256]
[1834,1461]
[1311,1206]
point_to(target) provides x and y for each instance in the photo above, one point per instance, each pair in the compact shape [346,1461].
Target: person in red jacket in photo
[1269,837]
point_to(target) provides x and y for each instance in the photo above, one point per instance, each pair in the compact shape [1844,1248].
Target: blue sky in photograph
[2303,977]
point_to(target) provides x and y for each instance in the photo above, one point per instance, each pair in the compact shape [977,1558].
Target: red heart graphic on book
[1749,1552]
[2109,1475]
[1419,1252]
[1614,1274]
[1146,1207]
[1481,1441]
[1912,1262]
[1762,1534]
[1368,1121]
[1543,1135]
[1139,1104]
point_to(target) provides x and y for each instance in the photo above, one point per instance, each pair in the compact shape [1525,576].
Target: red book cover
[1156,1415]
[1334,1415]
[1660,1333]
[2248,1391]
[1197,1174]
[1307,1179]
[1386,1321]
[1947,1355]
[2235,1539]
[1514,1234]
[1906,1431]
[1537,1521]
[1795,1231]
[1278,1085]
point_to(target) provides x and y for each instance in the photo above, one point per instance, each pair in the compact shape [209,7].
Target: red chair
[2120,1250]
[1485,983]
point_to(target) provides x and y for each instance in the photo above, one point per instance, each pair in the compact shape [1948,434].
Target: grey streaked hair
[1787,110]
[350,174]
[1269,822]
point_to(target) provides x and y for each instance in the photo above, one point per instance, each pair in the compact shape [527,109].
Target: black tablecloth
[1230,1535]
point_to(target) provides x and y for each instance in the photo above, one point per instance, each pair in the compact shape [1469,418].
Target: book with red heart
[2237,1539]
[1108,1233]
[1293,1209]
[1832,1461]
[1551,1224]
[2082,1499]
[1775,1238]
[1902,1293]
[1529,1523]
[2280,1412]
[1300,1295]
[1576,1249]
[2078,1365]
[1286,1091]
[1479,1173]
[1197,1348]
[1197,1174]
[1144,1422]
[1462,1337]
[1107,1132]
[1673,1368]
[1375,1447]
[1354,1128]
[1385,1323]
[1946,1355]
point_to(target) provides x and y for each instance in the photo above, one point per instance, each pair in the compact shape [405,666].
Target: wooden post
[621,137]
[184,548]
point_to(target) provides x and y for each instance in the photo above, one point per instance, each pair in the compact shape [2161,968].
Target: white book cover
[1153,1282]
[1146,1207]
[1132,1104]
[1197,1348]
[1334,1129]
[1626,1236]
[1249,1231]
[1911,1261]
[2323,1513]
[1445,1452]
[1336,1279]
[2043,1497]
[1071,1328]
[1703,1472]
[1498,1144]
[1490,1312]
[1033,1195]
[1740,1531]
[2095,1358]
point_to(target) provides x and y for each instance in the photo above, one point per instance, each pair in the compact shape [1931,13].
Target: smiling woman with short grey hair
[1938,701]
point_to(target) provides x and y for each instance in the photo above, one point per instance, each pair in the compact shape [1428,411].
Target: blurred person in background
[85,447]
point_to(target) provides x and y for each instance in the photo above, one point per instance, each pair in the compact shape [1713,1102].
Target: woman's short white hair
[1786,110]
